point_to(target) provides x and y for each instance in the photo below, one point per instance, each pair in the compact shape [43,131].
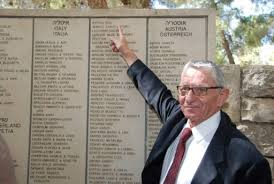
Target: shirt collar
[205,128]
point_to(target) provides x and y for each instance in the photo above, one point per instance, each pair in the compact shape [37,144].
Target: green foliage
[114,3]
[253,29]
[57,4]
[249,56]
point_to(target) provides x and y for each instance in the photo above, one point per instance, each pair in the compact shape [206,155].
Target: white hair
[214,69]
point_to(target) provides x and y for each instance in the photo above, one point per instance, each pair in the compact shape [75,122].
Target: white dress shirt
[195,149]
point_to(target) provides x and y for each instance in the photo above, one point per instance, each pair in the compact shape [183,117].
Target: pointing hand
[121,45]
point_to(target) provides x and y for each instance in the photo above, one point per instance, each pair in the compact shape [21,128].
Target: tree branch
[227,48]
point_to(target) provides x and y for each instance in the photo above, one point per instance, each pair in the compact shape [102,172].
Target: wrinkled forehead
[197,77]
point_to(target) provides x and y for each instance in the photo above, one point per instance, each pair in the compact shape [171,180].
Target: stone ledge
[261,135]
[258,81]
[257,110]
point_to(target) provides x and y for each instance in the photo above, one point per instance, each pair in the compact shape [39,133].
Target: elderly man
[198,143]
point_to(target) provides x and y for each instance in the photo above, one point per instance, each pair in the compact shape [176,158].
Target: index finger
[120,31]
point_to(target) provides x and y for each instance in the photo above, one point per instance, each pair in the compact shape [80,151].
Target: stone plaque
[168,51]
[69,113]
[15,89]
[116,109]
[59,100]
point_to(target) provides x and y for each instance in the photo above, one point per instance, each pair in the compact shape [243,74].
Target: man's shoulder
[237,144]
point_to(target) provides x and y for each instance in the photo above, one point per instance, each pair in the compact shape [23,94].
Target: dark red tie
[173,171]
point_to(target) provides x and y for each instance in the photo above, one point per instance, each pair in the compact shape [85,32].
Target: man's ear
[224,94]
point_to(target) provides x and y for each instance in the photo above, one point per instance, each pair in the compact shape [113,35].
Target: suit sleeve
[153,90]
[258,173]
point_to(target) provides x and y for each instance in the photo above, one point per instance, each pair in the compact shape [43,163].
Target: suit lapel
[173,134]
[207,171]
[213,158]
[168,139]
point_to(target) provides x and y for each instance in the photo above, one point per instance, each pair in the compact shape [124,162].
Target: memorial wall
[68,111]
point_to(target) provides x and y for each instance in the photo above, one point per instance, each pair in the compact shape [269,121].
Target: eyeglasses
[197,91]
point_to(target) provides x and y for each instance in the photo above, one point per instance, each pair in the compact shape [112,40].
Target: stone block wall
[256,104]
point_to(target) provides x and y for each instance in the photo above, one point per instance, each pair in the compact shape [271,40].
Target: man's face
[199,108]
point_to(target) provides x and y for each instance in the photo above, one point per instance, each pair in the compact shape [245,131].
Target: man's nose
[189,97]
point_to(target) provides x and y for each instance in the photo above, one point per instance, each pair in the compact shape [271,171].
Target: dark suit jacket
[230,158]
